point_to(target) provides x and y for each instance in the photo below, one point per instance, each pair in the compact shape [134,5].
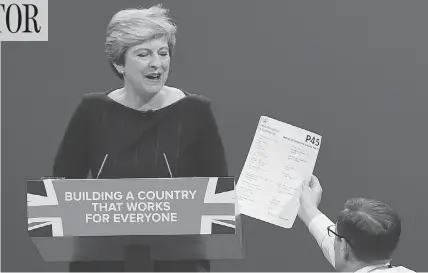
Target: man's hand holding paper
[281,156]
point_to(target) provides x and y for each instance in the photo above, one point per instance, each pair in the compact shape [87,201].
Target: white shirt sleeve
[318,229]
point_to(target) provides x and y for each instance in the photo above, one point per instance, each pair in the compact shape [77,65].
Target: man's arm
[315,220]
[317,224]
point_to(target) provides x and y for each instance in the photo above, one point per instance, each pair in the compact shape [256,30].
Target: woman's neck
[136,99]
[166,96]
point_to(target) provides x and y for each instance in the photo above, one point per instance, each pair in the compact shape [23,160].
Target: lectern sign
[111,207]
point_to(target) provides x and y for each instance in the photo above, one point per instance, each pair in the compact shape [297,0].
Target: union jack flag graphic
[42,193]
[220,190]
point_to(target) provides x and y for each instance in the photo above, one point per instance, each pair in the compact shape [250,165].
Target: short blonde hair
[130,27]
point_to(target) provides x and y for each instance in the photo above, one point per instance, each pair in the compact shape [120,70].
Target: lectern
[138,220]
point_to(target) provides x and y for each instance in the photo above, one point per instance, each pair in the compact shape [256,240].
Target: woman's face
[147,66]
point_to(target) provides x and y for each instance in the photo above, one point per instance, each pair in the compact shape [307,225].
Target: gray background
[354,72]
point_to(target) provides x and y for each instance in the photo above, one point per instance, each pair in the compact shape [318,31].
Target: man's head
[367,231]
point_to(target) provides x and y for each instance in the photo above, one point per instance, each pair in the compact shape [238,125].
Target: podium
[135,220]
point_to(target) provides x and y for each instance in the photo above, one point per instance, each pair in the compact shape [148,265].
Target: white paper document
[281,157]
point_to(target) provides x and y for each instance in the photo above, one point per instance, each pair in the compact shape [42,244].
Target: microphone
[102,165]
[167,164]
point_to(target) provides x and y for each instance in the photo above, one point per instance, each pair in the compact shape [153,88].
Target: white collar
[371,268]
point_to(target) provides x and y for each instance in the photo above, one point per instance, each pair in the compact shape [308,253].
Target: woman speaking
[145,128]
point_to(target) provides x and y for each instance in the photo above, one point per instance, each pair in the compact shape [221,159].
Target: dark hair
[371,227]
[130,27]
